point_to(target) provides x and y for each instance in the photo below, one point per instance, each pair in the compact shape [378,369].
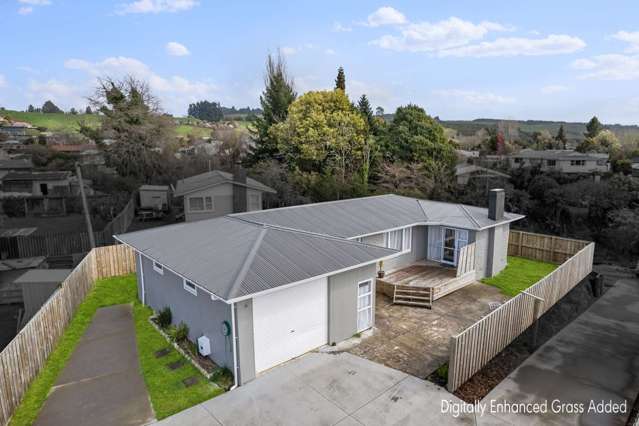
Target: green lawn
[168,394]
[519,274]
[59,122]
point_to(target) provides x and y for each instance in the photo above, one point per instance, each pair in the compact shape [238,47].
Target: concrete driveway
[594,358]
[326,389]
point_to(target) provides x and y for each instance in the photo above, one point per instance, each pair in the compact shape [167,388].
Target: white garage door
[289,323]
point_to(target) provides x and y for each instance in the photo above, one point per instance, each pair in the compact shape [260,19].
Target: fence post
[538,301]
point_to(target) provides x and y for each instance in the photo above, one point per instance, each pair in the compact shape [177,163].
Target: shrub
[165,317]
[223,377]
[181,332]
[442,372]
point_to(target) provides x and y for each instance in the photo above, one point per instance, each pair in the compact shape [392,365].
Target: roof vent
[496,199]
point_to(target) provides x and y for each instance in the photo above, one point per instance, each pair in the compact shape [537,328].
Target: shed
[154,197]
[37,286]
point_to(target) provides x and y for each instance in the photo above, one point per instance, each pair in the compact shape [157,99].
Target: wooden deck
[420,275]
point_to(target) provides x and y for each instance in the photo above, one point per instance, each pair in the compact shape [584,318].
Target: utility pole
[85,206]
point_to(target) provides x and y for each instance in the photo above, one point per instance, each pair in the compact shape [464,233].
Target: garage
[289,323]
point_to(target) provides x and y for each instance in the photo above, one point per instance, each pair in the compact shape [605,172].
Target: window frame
[189,287]
[158,267]
[578,163]
[207,204]
[405,239]
[369,307]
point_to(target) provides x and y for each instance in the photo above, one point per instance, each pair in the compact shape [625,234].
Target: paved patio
[414,339]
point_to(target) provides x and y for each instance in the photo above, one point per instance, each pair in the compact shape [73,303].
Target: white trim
[235,366]
[370,307]
[189,286]
[232,182]
[142,279]
[158,267]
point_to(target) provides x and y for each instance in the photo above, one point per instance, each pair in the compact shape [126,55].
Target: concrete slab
[101,384]
[594,358]
[194,416]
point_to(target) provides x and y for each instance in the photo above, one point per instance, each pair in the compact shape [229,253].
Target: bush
[181,332]
[165,317]
[223,377]
[442,372]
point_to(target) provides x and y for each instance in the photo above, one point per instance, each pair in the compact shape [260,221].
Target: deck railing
[27,353]
[474,347]
[466,260]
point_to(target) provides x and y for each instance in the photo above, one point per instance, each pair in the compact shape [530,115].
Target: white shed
[154,197]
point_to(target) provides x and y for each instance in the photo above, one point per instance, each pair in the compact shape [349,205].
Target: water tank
[204,345]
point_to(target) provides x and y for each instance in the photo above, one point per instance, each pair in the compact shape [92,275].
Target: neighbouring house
[467,172]
[562,160]
[54,183]
[217,193]
[259,288]
[37,286]
[154,197]
[85,154]
[15,128]
[16,165]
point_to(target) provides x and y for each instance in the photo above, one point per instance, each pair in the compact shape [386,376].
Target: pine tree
[340,81]
[278,94]
[88,110]
[561,137]
[364,107]
[593,128]
[30,108]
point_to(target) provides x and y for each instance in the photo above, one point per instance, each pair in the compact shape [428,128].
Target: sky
[542,60]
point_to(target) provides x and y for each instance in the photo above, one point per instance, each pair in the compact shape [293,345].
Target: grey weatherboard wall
[419,244]
[342,301]
[202,315]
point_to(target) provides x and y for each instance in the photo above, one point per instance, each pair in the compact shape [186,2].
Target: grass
[519,274]
[57,122]
[168,394]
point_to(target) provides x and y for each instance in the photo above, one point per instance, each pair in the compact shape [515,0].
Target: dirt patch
[561,314]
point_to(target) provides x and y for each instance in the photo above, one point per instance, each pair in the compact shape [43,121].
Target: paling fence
[26,354]
[474,347]
[67,243]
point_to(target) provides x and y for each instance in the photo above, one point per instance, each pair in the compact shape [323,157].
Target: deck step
[405,302]
[397,297]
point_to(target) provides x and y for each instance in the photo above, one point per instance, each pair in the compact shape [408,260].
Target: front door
[449,246]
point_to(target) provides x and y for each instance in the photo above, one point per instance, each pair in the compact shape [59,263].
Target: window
[394,239]
[190,287]
[364,305]
[577,162]
[158,268]
[407,239]
[551,163]
[200,204]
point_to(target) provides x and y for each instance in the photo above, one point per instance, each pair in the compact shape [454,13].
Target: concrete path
[326,389]
[101,384]
[595,358]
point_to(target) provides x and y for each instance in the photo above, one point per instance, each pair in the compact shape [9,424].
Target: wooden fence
[26,354]
[474,347]
[67,243]
[466,261]
[546,248]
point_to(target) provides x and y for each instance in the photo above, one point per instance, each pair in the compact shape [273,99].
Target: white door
[452,241]
[364,305]
[289,323]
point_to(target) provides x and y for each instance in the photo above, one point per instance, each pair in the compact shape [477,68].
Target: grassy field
[63,123]
[519,274]
[198,132]
[168,393]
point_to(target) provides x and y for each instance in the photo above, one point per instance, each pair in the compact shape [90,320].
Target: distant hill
[53,122]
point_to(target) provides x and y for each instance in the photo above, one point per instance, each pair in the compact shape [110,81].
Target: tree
[593,128]
[30,108]
[279,93]
[340,80]
[605,141]
[207,111]
[88,110]
[132,117]
[364,108]
[561,137]
[379,111]
[50,108]
[73,111]
[324,134]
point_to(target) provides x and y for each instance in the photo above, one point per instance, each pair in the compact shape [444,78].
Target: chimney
[496,198]
[239,191]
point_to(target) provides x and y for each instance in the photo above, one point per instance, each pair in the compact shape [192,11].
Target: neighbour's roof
[369,215]
[465,169]
[212,178]
[560,154]
[55,175]
[20,163]
[154,188]
[232,258]
[43,276]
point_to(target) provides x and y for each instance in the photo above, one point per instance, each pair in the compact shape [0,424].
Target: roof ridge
[468,215]
[241,274]
[421,207]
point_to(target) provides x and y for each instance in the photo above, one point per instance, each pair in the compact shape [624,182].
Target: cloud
[385,15]
[631,38]
[175,92]
[609,67]
[174,48]
[3,81]
[25,10]
[156,6]
[339,28]
[65,95]
[289,51]
[474,97]
[551,89]
[35,2]
[329,52]
[554,44]
[429,37]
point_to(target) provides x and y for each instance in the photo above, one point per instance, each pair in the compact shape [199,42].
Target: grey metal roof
[233,258]
[43,276]
[16,164]
[369,215]
[212,178]
[31,176]
[560,154]
[154,188]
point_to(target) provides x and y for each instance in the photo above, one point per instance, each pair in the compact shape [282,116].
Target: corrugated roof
[43,276]
[560,154]
[212,178]
[369,215]
[55,175]
[233,258]
[154,188]
[16,164]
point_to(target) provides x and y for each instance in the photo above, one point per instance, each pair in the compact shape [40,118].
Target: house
[466,172]
[561,160]
[37,287]
[15,128]
[55,183]
[216,193]
[85,154]
[16,165]
[154,197]
[259,288]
